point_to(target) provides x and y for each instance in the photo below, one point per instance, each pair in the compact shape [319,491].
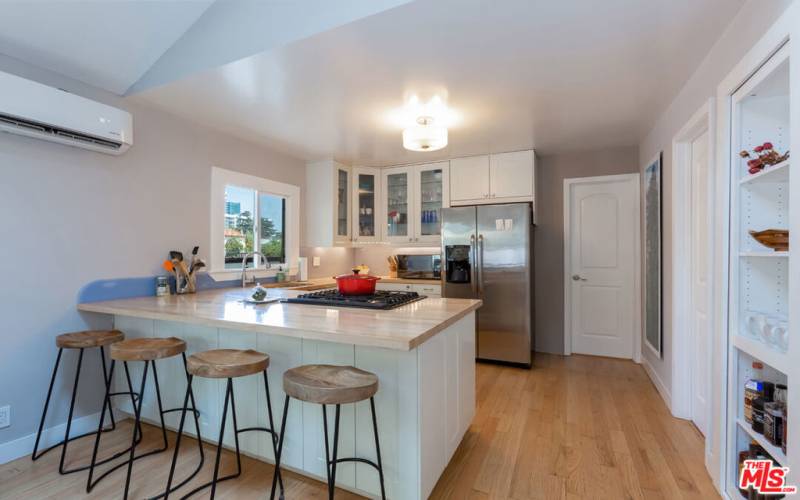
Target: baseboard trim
[656,380]
[23,446]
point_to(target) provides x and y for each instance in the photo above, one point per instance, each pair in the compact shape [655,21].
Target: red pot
[356,284]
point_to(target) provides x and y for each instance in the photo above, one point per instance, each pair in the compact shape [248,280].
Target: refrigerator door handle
[480,263]
[474,255]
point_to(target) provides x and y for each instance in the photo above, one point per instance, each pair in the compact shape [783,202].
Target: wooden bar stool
[227,364]
[331,385]
[80,341]
[148,350]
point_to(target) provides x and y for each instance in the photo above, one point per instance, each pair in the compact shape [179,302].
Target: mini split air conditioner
[35,110]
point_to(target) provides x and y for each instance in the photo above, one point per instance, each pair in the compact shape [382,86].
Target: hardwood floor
[570,428]
[574,427]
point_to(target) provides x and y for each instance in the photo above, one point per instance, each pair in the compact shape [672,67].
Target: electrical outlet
[315,261]
[5,416]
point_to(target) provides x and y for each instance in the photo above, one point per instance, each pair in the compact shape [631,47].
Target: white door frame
[682,379]
[637,272]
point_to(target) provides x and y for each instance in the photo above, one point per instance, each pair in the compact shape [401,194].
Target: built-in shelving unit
[759,300]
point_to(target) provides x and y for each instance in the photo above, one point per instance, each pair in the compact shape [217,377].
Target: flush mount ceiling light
[425,124]
[425,135]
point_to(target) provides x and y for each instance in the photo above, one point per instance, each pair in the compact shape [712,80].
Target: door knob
[578,277]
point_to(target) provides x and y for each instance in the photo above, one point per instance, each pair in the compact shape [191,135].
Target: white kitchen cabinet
[366,203]
[413,197]
[469,179]
[328,204]
[511,175]
[496,178]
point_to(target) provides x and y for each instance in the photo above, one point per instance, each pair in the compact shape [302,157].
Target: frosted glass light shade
[424,138]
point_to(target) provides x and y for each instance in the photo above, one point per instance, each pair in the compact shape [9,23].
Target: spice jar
[162,286]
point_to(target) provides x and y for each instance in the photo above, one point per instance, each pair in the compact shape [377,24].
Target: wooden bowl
[776,239]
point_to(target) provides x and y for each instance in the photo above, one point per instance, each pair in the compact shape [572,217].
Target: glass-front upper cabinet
[397,184]
[431,190]
[366,193]
[342,205]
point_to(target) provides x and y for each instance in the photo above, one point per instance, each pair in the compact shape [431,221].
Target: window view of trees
[241,231]
[271,240]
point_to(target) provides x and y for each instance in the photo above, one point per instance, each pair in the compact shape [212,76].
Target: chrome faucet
[255,266]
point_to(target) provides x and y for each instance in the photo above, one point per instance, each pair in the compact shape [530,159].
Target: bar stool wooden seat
[331,385]
[226,364]
[88,339]
[146,350]
[80,341]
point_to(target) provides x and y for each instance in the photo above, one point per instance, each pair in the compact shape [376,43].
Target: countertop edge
[382,342]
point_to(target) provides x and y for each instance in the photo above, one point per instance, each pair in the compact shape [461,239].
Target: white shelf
[762,352]
[775,173]
[770,254]
[775,451]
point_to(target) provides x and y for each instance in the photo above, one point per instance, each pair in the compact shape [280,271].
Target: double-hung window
[252,214]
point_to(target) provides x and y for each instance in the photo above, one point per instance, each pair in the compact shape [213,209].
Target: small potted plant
[762,156]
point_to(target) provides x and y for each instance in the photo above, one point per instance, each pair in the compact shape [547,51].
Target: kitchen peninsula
[423,354]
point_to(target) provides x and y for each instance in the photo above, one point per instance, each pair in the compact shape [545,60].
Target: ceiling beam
[234,29]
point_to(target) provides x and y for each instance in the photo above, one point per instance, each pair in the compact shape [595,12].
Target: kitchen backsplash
[375,256]
[333,261]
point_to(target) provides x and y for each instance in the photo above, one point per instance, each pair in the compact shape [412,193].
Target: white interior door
[700,285]
[603,218]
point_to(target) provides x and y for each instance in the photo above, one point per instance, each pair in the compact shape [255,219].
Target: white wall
[70,216]
[747,27]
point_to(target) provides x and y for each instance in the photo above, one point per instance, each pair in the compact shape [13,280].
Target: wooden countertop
[403,328]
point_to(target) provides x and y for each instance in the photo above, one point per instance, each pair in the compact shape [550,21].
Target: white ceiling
[555,75]
[109,44]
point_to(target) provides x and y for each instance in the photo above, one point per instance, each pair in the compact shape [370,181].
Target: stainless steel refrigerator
[487,253]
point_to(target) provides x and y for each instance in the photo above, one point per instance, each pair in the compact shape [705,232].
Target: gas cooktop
[378,300]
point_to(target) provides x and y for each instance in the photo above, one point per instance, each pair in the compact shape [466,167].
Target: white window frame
[220,178]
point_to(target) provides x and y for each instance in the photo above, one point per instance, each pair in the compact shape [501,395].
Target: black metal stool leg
[71,411]
[221,436]
[183,409]
[280,448]
[160,406]
[133,397]
[377,446]
[34,456]
[235,434]
[332,485]
[178,440]
[105,377]
[89,484]
[327,447]
[273,433]
[137,421]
